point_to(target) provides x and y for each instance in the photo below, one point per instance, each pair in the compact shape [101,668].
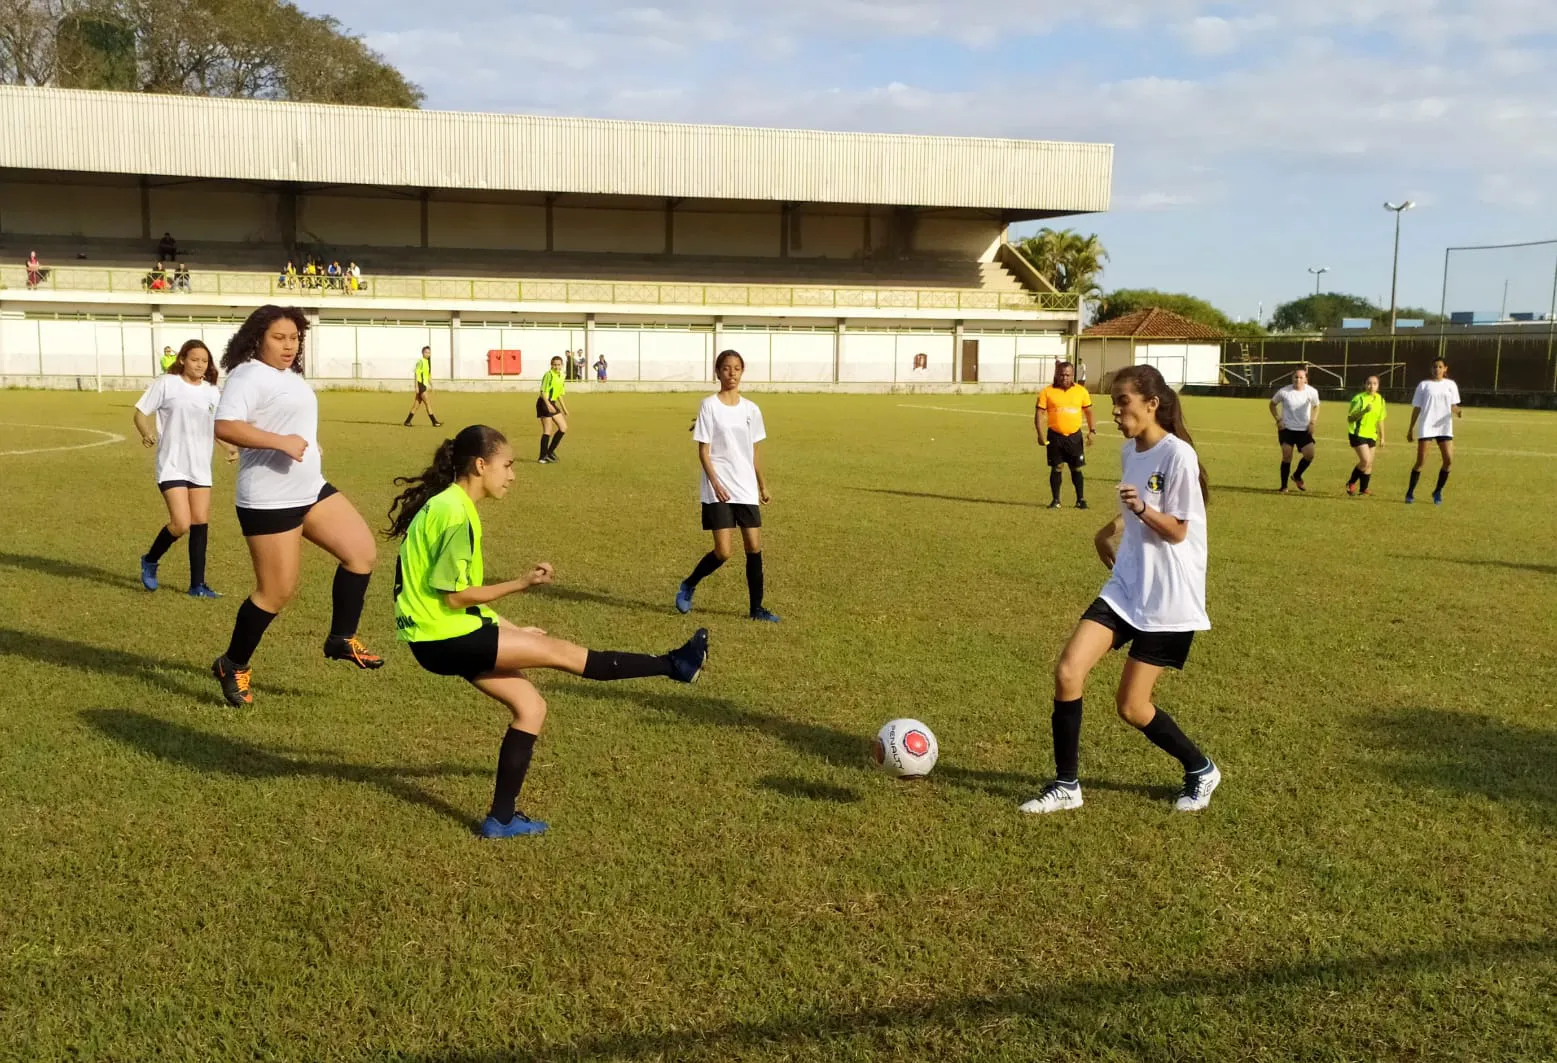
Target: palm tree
[1070,261]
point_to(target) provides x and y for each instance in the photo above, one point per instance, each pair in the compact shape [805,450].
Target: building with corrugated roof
[827,258]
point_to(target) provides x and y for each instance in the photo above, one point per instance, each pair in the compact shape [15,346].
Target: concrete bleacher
[926,272]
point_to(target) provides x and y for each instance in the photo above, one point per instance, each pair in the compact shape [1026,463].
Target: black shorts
[718,516]
[1295,438]
[1165,649]
[1435,439]
[164,485]
[275,521]
[1067,450]
[421,389]
[544,408]
[1355,440]
[465,656]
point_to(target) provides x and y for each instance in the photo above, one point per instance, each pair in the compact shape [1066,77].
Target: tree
[1314,313]
[1069,261]
[265,49]
[1129,300]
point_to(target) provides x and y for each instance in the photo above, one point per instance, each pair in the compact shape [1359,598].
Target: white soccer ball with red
[906,749]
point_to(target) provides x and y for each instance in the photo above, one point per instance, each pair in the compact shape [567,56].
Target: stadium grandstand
[828,259]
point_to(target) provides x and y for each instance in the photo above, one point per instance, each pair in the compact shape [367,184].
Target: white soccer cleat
[1054,797]
[1198,787]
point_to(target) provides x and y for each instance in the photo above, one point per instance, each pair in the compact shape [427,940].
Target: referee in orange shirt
[1066,403]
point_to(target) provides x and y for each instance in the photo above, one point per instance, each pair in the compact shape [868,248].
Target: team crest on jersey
[1154,482]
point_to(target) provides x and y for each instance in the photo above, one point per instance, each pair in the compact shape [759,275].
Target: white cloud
[1209,35]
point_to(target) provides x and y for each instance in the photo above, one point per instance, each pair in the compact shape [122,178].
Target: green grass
[726,877]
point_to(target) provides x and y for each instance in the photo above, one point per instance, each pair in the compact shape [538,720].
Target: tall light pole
[1318,273]
[1394,273]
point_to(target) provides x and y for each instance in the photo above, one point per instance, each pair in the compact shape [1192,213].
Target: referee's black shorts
[1067,450]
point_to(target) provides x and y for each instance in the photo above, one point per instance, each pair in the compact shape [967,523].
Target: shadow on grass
[576,594]
[1483,562]
[215,754]
[1067,1008]
[808,790]
[952,498]
[1322,494]
[838,748]
[52,566]
[1464,753]
[83,657]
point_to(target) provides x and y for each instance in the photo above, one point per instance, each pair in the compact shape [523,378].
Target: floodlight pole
[1318,275]
[1394,275]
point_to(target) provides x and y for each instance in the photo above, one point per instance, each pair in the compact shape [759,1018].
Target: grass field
[727,877]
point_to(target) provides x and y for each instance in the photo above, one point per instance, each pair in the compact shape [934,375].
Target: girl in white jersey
[177,415]
[1156,598]
[729,432]
[1433,409]
[271,412]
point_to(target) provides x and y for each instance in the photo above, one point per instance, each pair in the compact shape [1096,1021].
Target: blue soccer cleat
[1437,499]
[202,591]
[520,825]
[1409,500]
[683,598]
[687,662]
[765,615]
[148,574]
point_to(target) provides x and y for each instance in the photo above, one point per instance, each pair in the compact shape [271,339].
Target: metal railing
[269,286]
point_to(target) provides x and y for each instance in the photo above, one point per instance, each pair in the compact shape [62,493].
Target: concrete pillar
[454,345]
[426,198]
[957,351]
[145,208]
[551,243]
[838,343]
[158,342]
[589,340]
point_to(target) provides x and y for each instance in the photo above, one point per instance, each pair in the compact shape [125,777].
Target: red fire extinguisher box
[504,363]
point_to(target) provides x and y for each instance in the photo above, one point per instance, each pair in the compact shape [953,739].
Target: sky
[1253,140]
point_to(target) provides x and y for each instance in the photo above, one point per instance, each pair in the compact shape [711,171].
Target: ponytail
[1147,382]
[455,458]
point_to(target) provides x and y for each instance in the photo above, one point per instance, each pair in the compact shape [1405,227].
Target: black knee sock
[605,665]
[513,763]
[247,630]
[1166,736]
[1355,476]
[545,443]
[160,545]
[1416,475]
[409,416]
[754,580]
[1065,725]
[1055,479]
[1079,482]
[1286,471]
[348,594]
[1443,478]
[556,441]
[1302,468]
[197,539]
[1367,478]
[705,568]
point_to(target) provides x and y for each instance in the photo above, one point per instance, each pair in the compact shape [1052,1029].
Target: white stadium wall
[75,351]
[1182,363]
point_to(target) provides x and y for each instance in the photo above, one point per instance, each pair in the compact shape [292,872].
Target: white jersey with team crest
[186,427]
[1157,585]
[279,401]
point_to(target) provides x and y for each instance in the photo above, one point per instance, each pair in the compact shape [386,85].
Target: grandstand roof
[74,130]
[1153,323]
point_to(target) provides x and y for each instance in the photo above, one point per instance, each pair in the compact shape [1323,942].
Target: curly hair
[177,368]
[246,342]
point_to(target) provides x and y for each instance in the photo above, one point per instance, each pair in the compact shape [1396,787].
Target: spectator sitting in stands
[35,270]
[181,279]
[289,276]
[336,275]
[157,279]
[167,247]
[354,277]
[310,275]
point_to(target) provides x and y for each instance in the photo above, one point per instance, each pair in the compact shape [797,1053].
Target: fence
[269,287]
[1498,362]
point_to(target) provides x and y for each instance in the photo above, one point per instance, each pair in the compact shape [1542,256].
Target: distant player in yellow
[423,375]
[1066,404]
[1365,432]
[551,409]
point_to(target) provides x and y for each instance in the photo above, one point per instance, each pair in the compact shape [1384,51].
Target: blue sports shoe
[202,591]
[521,824]
[148,574]
[1437,499]
[683,598]
[765,615]
[687,662]
[1409,500]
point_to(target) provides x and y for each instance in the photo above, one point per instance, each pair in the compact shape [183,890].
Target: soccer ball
[906,749]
